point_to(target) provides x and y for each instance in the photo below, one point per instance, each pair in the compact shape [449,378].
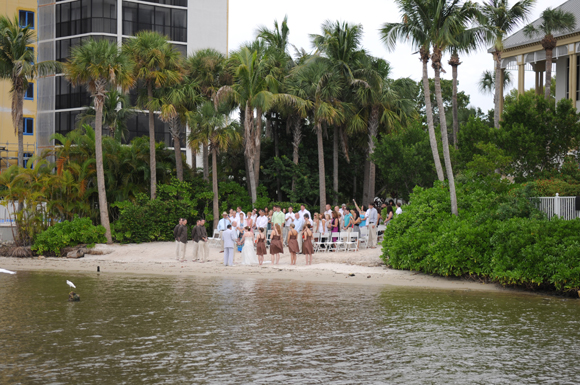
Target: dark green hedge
[499,235]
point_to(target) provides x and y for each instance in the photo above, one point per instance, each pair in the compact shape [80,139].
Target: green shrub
[67,234]
[500,236]
[146,220]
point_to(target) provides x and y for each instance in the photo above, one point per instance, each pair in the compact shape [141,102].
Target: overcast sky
[306,17]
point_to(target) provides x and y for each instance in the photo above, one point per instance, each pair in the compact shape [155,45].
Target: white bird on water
[7,271]
[72,285]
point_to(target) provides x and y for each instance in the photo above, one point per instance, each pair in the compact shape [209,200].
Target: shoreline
[158,258]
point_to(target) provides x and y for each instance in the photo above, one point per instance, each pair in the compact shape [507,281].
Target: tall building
[25,10]
[64,24]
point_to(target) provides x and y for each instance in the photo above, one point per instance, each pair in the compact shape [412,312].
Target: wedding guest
[276,247]
[399,209]
[315,223]
[362,213]
[254,216]
[289,217]
[307,220]
[307,247]
[223,226]
[292,242]
[335,225]
[262,220]
[278,217]
[249,220]
[299,224]
[343,210]
[304,211]
[372,221]
[268,215]
[177,246]
[196,237]
[346,225]
[182,238]
[261,246]
[355,221]
[204,244]
[328,222]
[327,210]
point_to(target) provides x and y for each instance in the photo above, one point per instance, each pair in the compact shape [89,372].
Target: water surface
[174,330]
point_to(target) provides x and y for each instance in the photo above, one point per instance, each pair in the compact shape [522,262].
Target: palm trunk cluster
[436,64]
[498,96]
[549,43]
[175,130]
[454,63]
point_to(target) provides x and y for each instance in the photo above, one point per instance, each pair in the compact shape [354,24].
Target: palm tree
[18,65]
[501,20]
[487,82]
[207,68]
[116,111]
[254,90]
[340,45]
[157,64]
[383,104]
[553,21]
[210,124]
[415,26]
[322,88]
[99,65]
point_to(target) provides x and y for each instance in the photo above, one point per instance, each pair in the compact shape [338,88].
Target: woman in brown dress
[307,247]
[292,242]
[276,247]
[261,246]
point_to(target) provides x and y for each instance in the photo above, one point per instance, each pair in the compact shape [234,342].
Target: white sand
[159,258]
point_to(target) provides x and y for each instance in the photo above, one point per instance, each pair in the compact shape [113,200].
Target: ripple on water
[193,330]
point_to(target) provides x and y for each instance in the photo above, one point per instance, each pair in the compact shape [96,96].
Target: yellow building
[27,14]
[525,54]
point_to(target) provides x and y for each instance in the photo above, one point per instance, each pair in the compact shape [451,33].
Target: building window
[180,3]
[28,126]
[26,18]
[67,96]
[31,49]
[65,46]
[29,94]
[167,21]
[85,16]
[27,156]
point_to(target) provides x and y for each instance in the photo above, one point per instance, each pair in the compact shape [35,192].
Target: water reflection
[129,329]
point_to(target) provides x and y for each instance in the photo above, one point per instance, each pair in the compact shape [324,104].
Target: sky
[306,17]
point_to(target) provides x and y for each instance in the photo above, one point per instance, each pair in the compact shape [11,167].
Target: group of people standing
[199,237]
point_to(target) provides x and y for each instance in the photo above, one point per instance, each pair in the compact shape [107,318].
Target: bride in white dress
[249,256]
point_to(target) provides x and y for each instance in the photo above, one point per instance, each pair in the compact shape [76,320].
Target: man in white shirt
[343,211]
[328,210]
[223,226]
[289,219]
[399,209]
[298,225]
[304,211]
[254,217]
[262,221]
[237,216]
[372,223]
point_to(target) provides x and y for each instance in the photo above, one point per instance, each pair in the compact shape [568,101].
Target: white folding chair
[321,244]
[364,237]
[215,239]
[268,238]
[341,241]
[381,232]
[352,243]
[332,244]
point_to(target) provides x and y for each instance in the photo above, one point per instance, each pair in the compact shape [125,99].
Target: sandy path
[159,258]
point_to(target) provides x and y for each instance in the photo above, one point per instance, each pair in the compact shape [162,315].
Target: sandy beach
[158,258]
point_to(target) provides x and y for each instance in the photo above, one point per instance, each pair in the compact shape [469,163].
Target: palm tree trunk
[373,129]
[548,85]
[193,162]
[152,161]
[436,62]
[205,155]
[296,123]
[277,155]
[18,120]
[250,150]
[429,113]
[366,173]
[103,207]
[178,159]
[321,173]
[454,62]
[335,166]
[496,112]
[258,145]
[214,180]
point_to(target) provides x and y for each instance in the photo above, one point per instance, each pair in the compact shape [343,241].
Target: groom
[230,240]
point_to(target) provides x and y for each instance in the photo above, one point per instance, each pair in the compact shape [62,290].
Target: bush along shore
[499,236]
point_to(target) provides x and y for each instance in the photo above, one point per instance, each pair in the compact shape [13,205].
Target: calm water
[134,330]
